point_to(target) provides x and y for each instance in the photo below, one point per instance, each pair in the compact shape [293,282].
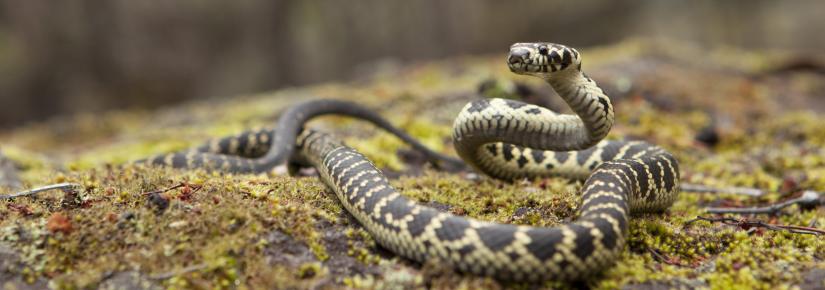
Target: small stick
[744,223]
[165,189]
[661,258]
[691,187]
[809,198]
[62,186]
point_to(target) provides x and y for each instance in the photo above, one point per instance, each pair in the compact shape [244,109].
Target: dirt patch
[8,173]
[11,272]
[813,279]
[129,281]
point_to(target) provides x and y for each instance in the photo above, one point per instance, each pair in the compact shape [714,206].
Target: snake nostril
[518,55]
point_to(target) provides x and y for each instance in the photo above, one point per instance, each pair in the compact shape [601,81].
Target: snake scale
[503,139]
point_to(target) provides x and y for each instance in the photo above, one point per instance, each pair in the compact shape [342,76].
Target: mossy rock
[256,231]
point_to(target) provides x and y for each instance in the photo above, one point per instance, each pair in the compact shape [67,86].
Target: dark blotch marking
[543,242]
[584,242]
[609,152]
[654,176]
[243,144]
[452,229]
[538,155]
[561,157]
[420,221]
[179,160]
[582,157]
[372,201]
[605,106]
[564,263]
[223,145]
[670,179]
[329,161]
[361,190]
[554,57]
[351,173]
[567,60]
[514,104]
[492,149]
[522,161]
[398,208]
[466,249]
[198,161]
[609,236]
[513,256]
[533,111]
[655,165]
[497,237]
[478,106]
[157,160]
[216,163]
[507,151]
[641,177]
[634,149]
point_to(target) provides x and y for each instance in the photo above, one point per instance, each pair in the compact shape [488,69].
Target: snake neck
[492,120]
[485,129]
[588,101]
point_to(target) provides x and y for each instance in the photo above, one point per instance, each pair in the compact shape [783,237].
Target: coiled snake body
[504,139]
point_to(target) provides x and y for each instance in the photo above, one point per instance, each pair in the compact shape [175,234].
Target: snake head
[542,59]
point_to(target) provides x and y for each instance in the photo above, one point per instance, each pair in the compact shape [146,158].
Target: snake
[504,139]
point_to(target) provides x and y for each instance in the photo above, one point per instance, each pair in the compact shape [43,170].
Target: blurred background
[65,57]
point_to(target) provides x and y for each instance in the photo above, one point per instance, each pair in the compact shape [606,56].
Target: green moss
[219,233]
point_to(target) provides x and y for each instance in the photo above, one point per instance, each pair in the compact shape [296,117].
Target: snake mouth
[524,65]
[523,68]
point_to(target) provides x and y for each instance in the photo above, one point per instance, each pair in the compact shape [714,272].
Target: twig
[808,198]
[61,186]
[746,224]
[690,187]
[661,258]
[165,189]
[167,275]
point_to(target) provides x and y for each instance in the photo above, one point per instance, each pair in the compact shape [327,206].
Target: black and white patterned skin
[503,139]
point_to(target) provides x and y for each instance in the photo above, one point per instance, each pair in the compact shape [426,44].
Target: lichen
[216,230]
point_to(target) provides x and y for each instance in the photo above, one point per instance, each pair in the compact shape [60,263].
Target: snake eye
[543,50]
